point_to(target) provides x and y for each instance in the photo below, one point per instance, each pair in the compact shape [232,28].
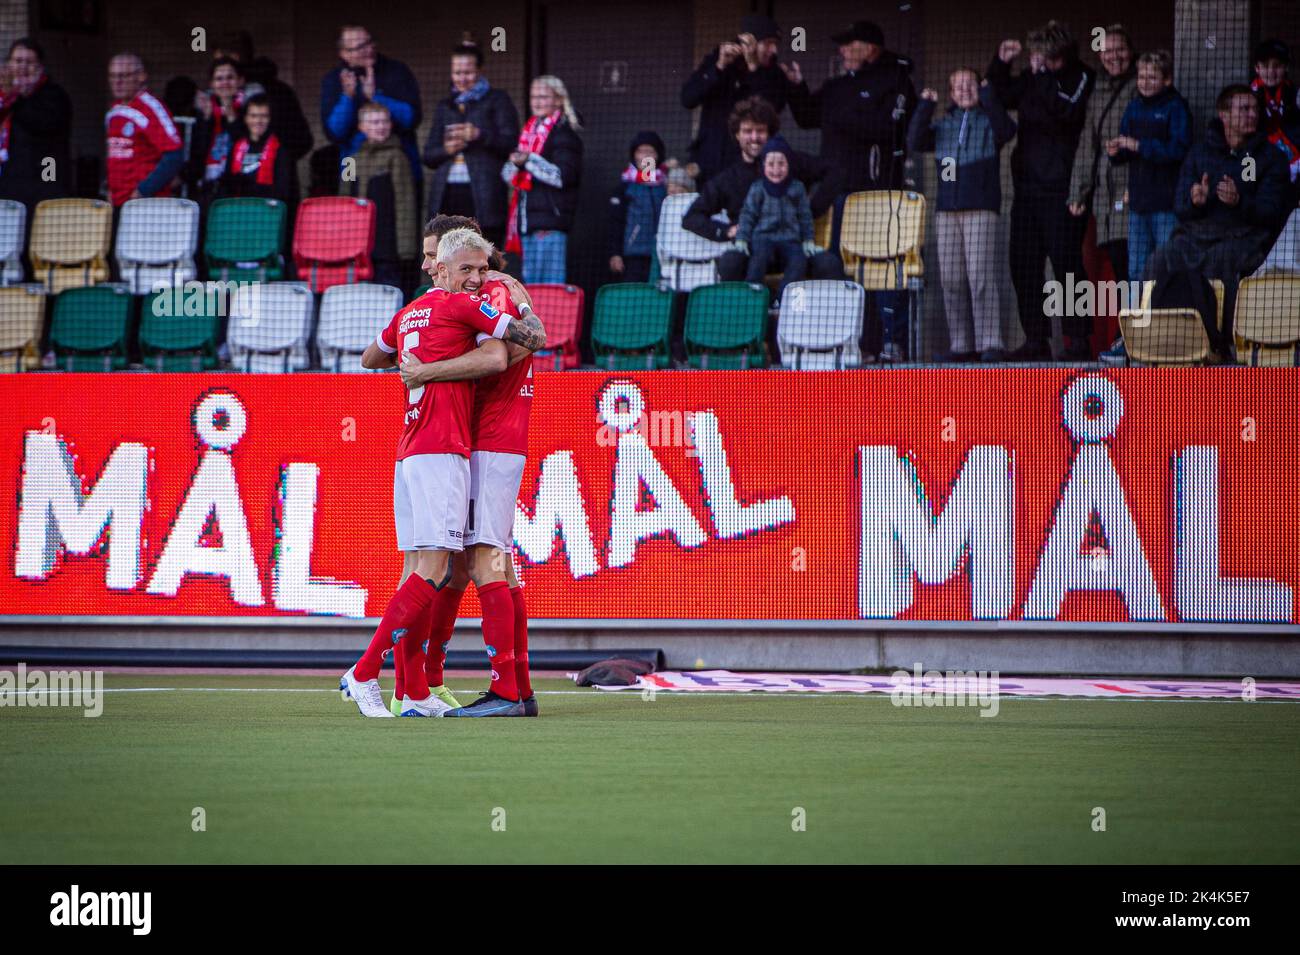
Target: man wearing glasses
[364,75]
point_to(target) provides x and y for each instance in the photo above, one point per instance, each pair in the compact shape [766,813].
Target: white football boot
[429,706]
[365,694]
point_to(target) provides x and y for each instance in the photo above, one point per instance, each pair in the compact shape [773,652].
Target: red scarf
[531,140]
[1274,113]
[7,104]
[649,177]
[215,160]
[266,161]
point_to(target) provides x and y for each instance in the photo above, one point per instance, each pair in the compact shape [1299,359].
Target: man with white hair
[144,149]
[431,478]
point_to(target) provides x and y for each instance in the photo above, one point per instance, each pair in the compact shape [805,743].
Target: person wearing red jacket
[144,148]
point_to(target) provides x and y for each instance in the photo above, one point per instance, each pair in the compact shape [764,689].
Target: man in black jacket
[1230,200]
[752,123]
[1052,99]
[35,123]
[734,70]
[474,131]
[863,115]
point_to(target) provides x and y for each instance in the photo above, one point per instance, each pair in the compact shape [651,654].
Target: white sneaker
[366,694]
[429,706]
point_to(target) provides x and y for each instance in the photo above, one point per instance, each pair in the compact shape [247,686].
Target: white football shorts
[431,501]
[494,478]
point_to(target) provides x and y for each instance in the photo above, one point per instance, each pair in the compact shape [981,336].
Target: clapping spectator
[863,115]
[35,123]
[364,75]
[383,176]
[634,206]
[259,165]
[1095,184]
[475,129]
[144,149]
[544,169]
[1228,209]
[967,143]
[288,123]
[736,69]
[1052,99]
[219,124]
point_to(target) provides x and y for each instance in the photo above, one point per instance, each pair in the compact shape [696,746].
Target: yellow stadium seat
[1165,336]
[881,235]
[22,313]
[1266,320]
[69,243]
[822,229]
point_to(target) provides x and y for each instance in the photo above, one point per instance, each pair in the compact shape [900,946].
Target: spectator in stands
[474,131]
[1052,99]
[1228,209]
[364,75]
[736,69]
[144,149]
[1154,136]
[681,179]
[288,123]
[260,165]
[776,227]
[545,169]
[383,175]
[35,124]
[753,122]
[634,206]
[967,144]
[1096,183]
[863,115]
[219,124]
[1280,102]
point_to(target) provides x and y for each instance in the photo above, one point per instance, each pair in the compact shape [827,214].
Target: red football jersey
[139,132]
[499,421]
[436,326]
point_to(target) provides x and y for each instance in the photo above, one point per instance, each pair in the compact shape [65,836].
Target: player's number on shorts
[408,344]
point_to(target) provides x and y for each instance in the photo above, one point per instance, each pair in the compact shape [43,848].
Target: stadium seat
[881,236]
[1165,336]
[560,308]
[726,326]
[245,240]
[631,325]
[13,225]
[686,260]
[820,325]
[1266,320]
[69,243]
[268,322]
[181,342]
[22,313]
[156,242]
[88,331]
[351,316]
[332,241]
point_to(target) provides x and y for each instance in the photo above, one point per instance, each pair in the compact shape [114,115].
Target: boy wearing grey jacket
[776,226]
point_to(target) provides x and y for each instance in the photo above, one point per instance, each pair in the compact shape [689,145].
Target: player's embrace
[432,474]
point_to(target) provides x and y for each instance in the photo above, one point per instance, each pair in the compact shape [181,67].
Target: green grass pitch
[610,777]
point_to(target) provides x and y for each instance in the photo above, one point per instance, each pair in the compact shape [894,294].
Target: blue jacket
[634,218]
[785,218]
[974,138]
[1162,125]
[395,87]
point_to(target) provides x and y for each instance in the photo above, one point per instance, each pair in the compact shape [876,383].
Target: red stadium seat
[332,241]
[560,308]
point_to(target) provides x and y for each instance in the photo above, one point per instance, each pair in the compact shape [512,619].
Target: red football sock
[442,619]
[411,650]
[399,681]
[521,644]
[402,615]
[499,637]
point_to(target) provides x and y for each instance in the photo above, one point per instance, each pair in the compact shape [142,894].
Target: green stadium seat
[726,326]
[631,326]
[178,342]
[88,331]
[245,239]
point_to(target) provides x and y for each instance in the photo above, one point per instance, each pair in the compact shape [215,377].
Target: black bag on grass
[613,672]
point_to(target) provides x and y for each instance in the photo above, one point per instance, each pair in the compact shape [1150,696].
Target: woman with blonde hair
[544,171]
